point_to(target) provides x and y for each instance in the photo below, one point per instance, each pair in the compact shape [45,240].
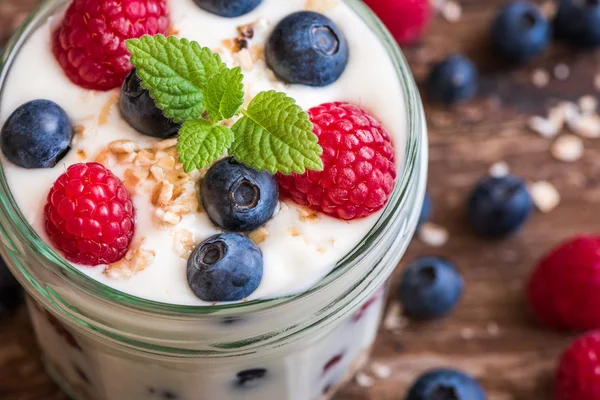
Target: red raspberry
[564,289]
[406,19]
[577,376]
[90,42]
[89,215]
[358,157]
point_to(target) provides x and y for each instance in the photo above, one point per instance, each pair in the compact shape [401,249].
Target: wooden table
[490,335]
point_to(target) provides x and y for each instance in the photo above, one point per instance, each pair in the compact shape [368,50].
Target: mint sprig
[191,84]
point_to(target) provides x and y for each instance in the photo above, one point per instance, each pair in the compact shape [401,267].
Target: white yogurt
[292,262]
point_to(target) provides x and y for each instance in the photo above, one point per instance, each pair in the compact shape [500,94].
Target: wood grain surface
[490,335]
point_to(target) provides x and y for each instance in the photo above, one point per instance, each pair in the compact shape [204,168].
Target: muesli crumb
[183,242]
[567,148]
[545,196]
[321,5]
[433,235]
[307,215]
[107,109]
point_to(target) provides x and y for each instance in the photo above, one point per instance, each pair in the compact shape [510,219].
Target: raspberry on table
[358,157]
[577,375]
[564,289]
[89,215]
[89,44]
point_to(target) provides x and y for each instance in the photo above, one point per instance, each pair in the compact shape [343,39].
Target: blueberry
[430,288]
[225,267]
[238,198]
[520,31]
[11,293]
[499,206]
[38,134]
[425,209]
[307,48]
[251,377]
[228,8]
[445,384]
[578,22]
[452,80]
[140,110]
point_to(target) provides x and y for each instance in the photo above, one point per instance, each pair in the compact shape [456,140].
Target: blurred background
[510,125]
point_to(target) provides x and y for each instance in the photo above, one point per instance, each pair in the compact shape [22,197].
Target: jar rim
[14,219]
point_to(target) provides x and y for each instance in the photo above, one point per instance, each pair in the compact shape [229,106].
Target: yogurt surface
[299,246]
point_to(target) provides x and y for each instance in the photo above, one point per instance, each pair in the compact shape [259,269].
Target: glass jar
[101,344]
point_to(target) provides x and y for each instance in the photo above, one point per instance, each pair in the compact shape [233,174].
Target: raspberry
[564,289]
[90,42]
[89,215]
[406,19]
[577,376]
[358,158]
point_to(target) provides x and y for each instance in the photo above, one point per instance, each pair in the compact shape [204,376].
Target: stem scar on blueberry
[245,195]
[326,40]
[213,252]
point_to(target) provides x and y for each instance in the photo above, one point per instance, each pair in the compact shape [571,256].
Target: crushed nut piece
[567,148]
[246,31]
[81,154]
[452,11]
[259,235]
[184,243]
[321,5]
[136,260]
[107,109]
[540,78]
[433,235]
[307,215]
[499,169]
[545,196]
[363,380]
[123,146]
[381,371]
[132,179]
[78,130]
[244,59]
[562,71]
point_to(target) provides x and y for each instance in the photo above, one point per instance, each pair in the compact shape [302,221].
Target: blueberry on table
[453,80]
[251,377]
[11,293]
[38,134]
[238,198]
[140,110]
[499,206]
[430,288]
[307,48]
[228,8]
[520,31]
[225,267]
[445,384]
[578,22]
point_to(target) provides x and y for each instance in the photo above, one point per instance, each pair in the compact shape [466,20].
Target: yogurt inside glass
[143,347]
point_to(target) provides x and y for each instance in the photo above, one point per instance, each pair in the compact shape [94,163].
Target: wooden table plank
[491,334]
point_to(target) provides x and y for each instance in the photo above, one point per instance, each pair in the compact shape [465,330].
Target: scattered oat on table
[393,319]
[588,104]
[451,11]
[567,148]
[540,78]
[363,380]
[499,169]
[381,371]
[545,196]
[546,128]
[493,329]
[433,235]
[467,333]
[562,71]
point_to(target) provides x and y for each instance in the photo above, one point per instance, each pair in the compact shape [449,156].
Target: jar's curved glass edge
[414,143]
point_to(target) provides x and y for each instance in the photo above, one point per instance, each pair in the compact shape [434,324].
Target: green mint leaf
[276,134]
[201,143]
[224,94]
[176,72]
